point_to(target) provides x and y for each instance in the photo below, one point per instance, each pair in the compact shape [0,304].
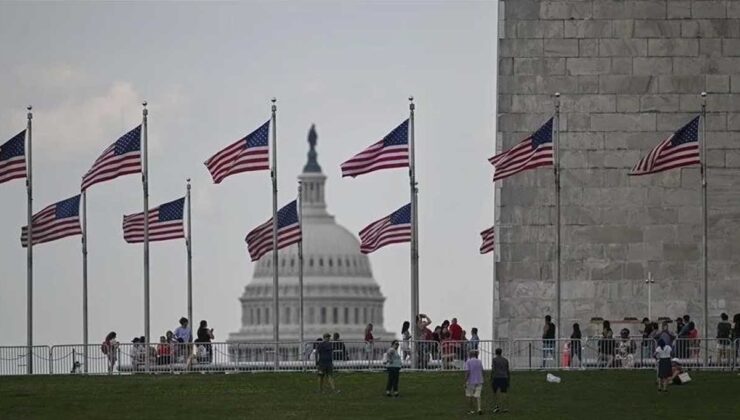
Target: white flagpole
[414,230]
[300,266]
[704,211]
[84,281]
[145,184]
[275,301]
[557,215]
[189,247]
[29,248]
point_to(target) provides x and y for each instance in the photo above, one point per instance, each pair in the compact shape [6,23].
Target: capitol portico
[340,293]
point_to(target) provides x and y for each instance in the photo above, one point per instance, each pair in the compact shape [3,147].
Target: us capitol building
[340,293]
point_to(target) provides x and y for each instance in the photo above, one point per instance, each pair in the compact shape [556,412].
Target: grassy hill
[581,395]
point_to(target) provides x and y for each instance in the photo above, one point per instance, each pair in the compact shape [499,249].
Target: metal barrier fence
[523,354]
[13,360]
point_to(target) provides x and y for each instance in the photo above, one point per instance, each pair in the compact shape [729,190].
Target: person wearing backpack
[110,349]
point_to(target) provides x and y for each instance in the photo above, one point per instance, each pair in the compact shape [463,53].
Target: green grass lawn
[581,395]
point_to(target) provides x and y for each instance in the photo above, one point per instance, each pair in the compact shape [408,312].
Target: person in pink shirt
[473,381]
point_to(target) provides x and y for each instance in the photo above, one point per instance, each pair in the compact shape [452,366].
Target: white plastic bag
[552,379]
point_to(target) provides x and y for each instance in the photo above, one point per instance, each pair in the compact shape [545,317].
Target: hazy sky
[208,72]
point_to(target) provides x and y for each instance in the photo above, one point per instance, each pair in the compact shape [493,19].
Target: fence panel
[13,360]
[523,354]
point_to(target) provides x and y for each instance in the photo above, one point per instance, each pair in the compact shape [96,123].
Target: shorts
[500,384]
[325,370]
[473,390]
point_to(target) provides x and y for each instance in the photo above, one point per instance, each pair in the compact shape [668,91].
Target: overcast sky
[208,72]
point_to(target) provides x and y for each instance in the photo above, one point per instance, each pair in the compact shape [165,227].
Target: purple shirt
[474,367]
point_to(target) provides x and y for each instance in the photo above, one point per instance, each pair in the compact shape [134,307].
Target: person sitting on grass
[500,379]
[676,371]
[393,365]
[324,363]
[473,381]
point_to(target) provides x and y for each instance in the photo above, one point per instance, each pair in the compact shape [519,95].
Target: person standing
[110,350]
[325,363]
[184,336]
[663,354]
[575,345]
[393,366]
[205,336]
[500,379]
[724,331]
[474,339]
[406,339]
[548,340]
[473,381]
[423,338]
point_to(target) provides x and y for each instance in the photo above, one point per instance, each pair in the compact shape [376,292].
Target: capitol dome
[340,293]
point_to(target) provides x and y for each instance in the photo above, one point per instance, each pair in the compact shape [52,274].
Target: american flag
[121,158]
[680,149]
[250,153]
[530,153]
[390,152]
[165,222]
[392,229]
[13,158]
[259,240]
[57,221]
[487,237]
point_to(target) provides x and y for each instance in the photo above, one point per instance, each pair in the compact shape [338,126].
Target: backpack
[104,347]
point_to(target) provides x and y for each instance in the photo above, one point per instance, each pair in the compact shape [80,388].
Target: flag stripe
[392,229]
[250,153]
[679,149]
[487,237]
[390,152]
[259,240]
[56,221]
[123,157]
[163,224]
[533,152]
[13,158]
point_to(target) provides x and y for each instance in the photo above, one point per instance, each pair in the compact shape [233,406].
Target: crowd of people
[622,350]
[173,347]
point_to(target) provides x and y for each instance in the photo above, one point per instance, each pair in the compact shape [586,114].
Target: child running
[473,381]
[500,375]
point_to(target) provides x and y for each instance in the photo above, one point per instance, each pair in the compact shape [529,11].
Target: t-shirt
[723,329]
[455,332]
[324,351]
[550,332]
[393,358]
[500,367]
[664,353]
[183,334]
[474,367]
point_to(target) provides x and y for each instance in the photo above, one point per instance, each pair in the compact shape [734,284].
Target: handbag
[684,377]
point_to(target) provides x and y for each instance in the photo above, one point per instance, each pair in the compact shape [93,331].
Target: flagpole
[29,248]
[704,211]
[145,184]
[557,213]
[84,281]
[300,265]
[275,301]
[414,229]
[189,248]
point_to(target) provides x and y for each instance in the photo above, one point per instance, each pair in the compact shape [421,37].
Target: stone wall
[630,73]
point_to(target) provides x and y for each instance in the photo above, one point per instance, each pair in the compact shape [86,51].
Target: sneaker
[471,412]
[387,393]
[496,409]
[396,395]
